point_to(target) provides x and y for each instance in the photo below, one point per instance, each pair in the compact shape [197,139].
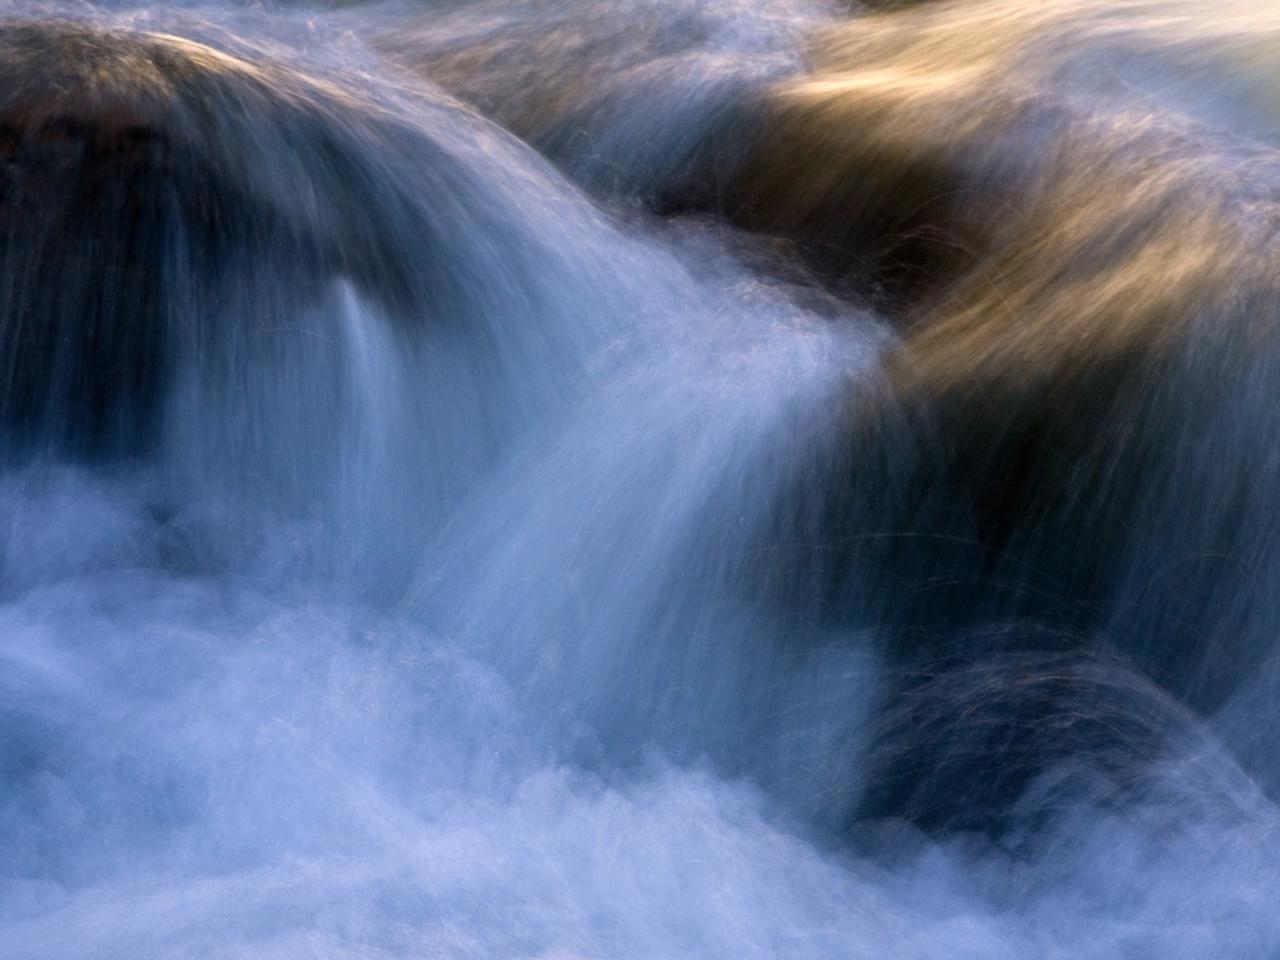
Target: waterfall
[682,478]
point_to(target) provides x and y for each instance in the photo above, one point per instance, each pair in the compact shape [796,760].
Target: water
[693,478]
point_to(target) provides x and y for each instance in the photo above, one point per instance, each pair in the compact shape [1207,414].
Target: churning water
[672,478]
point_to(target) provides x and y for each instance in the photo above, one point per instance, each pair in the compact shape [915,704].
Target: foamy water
[699,478]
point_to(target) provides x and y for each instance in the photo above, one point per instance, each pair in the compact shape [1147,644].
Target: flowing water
[672,478]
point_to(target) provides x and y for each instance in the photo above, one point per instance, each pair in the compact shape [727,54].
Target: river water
[672,478]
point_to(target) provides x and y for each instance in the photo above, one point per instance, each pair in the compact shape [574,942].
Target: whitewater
[658,479]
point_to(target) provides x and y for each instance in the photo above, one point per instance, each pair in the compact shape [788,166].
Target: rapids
[649,478]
